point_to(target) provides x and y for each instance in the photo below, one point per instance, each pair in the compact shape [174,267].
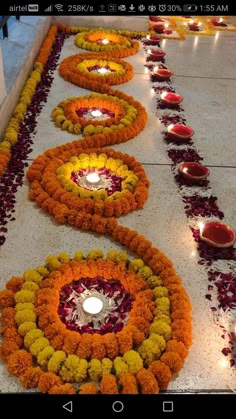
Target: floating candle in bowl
[96,113]
[92,305]
[162,74]
[93,178]
[217,234]
[102,70]
[179,132]
[193,172]
[171,99]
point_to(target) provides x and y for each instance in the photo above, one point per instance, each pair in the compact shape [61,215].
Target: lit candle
[105,41]
[148,37]
[217,234]
[102,70]
[92,305]
[218,22]
[93,178]
[96,113]
[171,99]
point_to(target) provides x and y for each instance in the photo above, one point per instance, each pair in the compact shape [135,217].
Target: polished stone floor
[204,73]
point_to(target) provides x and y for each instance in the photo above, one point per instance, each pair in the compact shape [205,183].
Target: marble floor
[204,73]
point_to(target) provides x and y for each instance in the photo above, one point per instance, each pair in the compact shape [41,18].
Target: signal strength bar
[49,9]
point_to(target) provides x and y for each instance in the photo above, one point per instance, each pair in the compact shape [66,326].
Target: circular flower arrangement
[114,45]
[100,114]
[95,68]
[151,344]
[59,183]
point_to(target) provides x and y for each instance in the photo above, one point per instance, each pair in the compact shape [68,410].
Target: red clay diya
[218,22]
[193,172]
[179,132]
[156,54]
[159,27]
[162,74]
[171,99]
[194,26]
[217,234]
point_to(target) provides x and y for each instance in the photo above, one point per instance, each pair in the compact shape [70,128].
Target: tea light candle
[105,41]
[217,234]
[179,132]
[162,74]
[92,305]
[96,113]
[171,99]
[93,178]
[102,70]
[193,172]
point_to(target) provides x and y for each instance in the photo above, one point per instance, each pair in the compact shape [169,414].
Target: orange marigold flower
[15,284]
[178,347]
[62,389]
[88,388]
[30,378]
[108,385]
[7,348]
[125,341]
[111,345]
[98,347]
[7,298]
[182,335]
[147,382]
[71,343]
[12,334]
[47,380]
[128,383]
[173,360]
[18,362]
[8,318]
[57,342]
[162,373]
[85,346]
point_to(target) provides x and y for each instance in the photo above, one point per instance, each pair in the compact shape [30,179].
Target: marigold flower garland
[41,351]
[30,312]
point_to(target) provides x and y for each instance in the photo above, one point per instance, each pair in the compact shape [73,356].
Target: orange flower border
[50,362]
[69,70]
[65,206]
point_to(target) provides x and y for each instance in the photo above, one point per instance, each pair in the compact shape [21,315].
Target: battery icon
[33,8]
[190,8]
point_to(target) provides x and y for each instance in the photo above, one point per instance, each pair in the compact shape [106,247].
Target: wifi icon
[59,7]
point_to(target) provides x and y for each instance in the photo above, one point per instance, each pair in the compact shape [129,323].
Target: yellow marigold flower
[134,361]
[136,264]
[78,256]
[154,281]
[145,272]
[163,318]
[106,366]
[81,372]
[55,361]
[123,256]
[161,328]
[52,263]
[159,340]
[25,316]
[112,255]
[72,362]
[120,365]
[162,305]
[31,286]
[32,336]
[24,296]
[44,356]
[64,257]
[89,130]
[149,351]
[25,327]
[42,271]
[160,292]
[95,254]
[95,370]
[24,306]
[32,275]
[38,346]
[66,375]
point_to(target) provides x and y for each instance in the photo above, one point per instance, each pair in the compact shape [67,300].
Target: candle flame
[170,127]
[149,51]
[163,95]
[105,41]
[102,70]
[199,23]
[185,170]
[148,37]
[201,226]
[155,68]
[93,178]
[220,20]
[191,21]
[166,25]
[96,113]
